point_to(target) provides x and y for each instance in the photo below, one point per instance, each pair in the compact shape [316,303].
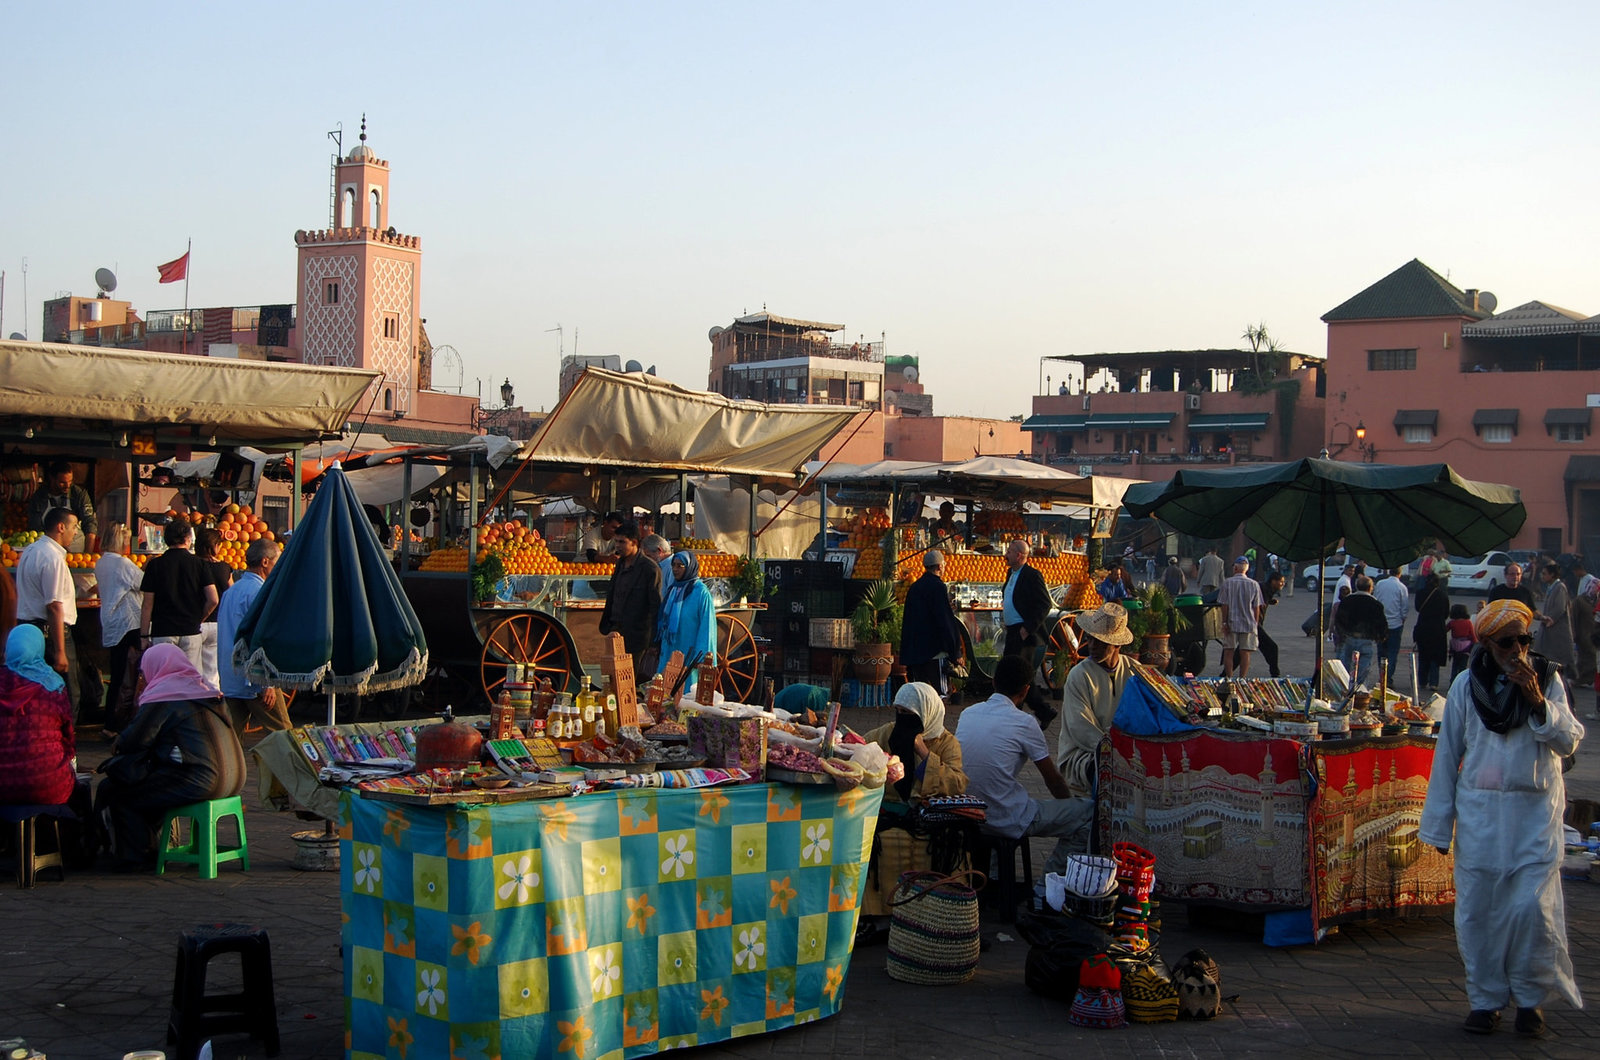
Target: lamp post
[1368,451]
[488,418]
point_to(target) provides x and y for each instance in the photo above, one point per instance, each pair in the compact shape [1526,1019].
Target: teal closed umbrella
[1385,513]
[333,615]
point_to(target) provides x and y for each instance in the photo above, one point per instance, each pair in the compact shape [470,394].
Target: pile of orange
[718,565]
[866,530]
[446,559]
[16,518]
[697,544]
[993,522]
[238,523]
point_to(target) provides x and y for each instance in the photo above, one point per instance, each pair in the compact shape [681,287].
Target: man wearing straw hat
[1091,692]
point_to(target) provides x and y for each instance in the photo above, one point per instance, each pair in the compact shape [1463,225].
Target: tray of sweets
[789,776]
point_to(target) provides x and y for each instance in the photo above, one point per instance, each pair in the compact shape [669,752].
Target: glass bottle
[586,710]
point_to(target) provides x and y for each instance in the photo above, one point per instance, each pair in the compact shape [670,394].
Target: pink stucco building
[1421,371]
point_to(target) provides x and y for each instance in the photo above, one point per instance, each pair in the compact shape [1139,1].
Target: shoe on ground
[1482,1021]
[1045,714]
[1530,1022]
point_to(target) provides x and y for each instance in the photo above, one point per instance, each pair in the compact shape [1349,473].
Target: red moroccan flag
[174,270]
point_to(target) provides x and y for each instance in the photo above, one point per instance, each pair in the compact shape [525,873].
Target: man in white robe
[1496,784]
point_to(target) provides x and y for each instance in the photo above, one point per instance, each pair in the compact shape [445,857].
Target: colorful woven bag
[1148,995]
[1098,1002]
[933,930]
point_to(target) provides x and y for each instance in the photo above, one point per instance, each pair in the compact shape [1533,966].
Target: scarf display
[25,657]
[170,677]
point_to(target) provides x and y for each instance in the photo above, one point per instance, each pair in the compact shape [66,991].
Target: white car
[1478,574]
[1332,570]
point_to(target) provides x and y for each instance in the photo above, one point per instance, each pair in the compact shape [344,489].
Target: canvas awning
[77,389]
[1567,418]
[1117,421]
[1582,469]
[633,420]
[1404,418]
[1494,418]
[1205,422]
[1055,423]
[984,476]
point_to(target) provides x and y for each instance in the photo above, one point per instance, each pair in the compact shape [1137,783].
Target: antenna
[561,338]
[336,134]
[106,280]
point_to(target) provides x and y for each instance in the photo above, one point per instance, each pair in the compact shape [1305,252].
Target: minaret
[358,294]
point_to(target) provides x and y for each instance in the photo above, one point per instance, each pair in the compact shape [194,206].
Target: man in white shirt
[1396,601]
[47,598]
[118,578]
[600,541]
[997,741]
[1242,607]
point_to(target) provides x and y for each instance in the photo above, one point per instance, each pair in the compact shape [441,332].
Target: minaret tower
[359,283]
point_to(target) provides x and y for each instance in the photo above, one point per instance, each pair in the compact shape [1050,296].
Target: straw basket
[933,933]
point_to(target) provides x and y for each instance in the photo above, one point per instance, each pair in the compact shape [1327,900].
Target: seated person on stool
[183,735]
[932,758]
[997,741]
[1091,692]
[36,738]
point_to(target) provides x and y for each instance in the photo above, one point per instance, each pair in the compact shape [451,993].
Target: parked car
[1332,569]
[1478,574]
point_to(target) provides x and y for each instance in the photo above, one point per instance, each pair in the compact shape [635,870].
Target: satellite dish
[651,370]
[716,329]
[17,336]
[910,372]
[633,366]
[390,232]
[1487,301]
[106,280]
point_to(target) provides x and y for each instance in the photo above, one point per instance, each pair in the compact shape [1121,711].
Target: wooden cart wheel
[736,659]
[538,642]
[1063,634]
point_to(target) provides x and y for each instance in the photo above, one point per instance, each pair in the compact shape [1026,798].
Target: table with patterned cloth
[608,925]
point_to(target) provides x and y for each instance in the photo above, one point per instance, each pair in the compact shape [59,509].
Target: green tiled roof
[1412,290]
[1044,422]
[1228,421]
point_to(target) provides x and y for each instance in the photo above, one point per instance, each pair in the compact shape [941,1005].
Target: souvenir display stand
[1272,823]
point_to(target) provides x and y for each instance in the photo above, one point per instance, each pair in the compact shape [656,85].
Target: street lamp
[490,419]
[1368,452]
[507,395]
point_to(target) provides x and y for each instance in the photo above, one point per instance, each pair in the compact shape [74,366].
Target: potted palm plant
[876,624]
[1153,622]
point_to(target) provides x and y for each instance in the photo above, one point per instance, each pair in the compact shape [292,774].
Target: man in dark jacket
[930,628]
[1360,618]
[634,599]
[1025,603]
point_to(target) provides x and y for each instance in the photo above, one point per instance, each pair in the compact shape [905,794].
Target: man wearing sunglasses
[1496,791]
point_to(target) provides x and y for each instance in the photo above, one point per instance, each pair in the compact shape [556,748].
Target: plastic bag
[1058,946]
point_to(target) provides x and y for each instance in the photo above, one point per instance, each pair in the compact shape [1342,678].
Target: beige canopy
[632,420]
[1000,477]
[257,402]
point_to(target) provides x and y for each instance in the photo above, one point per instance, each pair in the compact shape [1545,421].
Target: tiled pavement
[86,969]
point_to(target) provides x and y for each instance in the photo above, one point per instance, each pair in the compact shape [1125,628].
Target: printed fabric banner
[1365,851]
[608,925]
[1224,814]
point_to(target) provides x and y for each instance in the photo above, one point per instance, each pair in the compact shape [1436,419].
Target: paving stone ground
[86,966]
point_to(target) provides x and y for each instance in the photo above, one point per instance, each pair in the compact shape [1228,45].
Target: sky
[980,186]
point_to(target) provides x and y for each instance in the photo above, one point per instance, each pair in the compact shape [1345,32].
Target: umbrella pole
[1322,634]
[327,825]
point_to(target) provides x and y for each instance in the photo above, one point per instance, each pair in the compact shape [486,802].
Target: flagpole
[188,324]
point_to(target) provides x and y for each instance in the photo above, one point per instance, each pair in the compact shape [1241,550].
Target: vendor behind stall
[1091,692]
[633,600]
[58,491]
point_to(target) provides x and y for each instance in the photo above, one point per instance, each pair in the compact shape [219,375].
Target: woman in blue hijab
[37,743]
[688,619]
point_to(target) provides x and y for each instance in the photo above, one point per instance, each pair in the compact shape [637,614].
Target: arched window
[388,400]
[347,208]
[377,209]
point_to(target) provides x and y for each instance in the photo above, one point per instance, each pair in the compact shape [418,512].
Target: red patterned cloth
[36,743]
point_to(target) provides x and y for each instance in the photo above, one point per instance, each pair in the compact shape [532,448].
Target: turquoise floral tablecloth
[609,925]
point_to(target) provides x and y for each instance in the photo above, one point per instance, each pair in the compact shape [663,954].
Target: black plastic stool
[28,820]
[196,1015]
[1005,850]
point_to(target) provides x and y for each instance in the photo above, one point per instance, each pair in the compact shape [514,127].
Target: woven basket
[933,933]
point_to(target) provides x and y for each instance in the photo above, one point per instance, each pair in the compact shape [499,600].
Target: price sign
[845,557]
[142,445]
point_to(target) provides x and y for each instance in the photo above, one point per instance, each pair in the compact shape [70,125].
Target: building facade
[1421,372]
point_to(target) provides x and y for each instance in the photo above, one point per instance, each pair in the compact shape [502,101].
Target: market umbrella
[333,615]
[1385,513]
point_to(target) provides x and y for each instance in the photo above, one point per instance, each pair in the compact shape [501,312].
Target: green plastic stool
[202,850]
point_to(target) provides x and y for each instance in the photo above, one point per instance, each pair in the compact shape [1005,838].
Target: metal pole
[822,515]
[891,551]
[405,515]
[472,510]
[683,504]
[294,489]
[750,539]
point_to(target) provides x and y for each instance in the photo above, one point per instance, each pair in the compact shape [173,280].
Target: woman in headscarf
[688,619]
[36,739]
[932,759]
[180,748]
[1496,790]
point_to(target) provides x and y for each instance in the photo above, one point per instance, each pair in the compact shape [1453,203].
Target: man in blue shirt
[246,702]
[1025,604]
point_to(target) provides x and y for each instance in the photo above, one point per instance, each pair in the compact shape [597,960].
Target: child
[1461,638]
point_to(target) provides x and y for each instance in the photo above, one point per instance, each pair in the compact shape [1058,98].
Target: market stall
[1244,816]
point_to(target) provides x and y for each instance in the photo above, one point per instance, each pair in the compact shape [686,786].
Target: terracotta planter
[872,663]
[1155,652]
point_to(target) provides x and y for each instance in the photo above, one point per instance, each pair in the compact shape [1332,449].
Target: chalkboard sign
[845,557]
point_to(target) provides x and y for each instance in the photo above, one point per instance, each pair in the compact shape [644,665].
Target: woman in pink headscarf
[180,748]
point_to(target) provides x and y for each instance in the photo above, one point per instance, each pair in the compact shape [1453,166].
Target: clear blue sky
[985,184]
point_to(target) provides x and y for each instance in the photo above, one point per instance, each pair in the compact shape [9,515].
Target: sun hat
[1108,623]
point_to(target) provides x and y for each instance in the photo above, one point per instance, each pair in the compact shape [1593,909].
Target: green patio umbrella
[333,615]
[1385,513]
